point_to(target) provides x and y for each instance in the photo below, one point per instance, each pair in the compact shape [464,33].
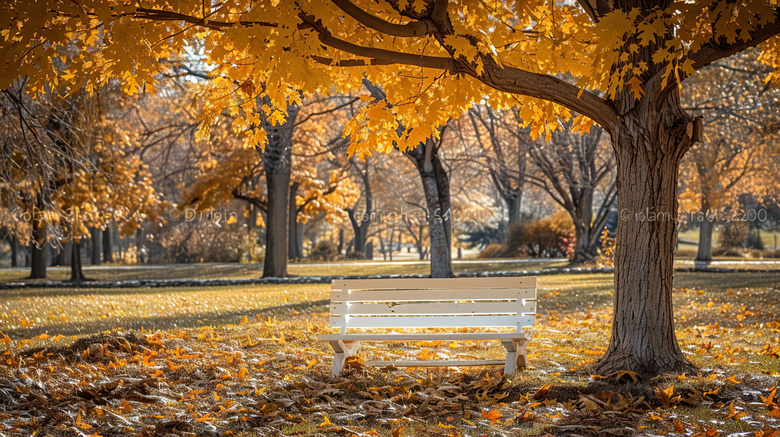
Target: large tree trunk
[649,145]
[436,187]
[38,247]
[277,162]
[95,252]
[76,273]
[107,255]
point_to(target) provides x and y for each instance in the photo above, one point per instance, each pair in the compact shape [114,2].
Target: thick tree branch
[541,86]
[411,29]
[588,8]
[162,15]
[715,50]
[350,62]
[381,55]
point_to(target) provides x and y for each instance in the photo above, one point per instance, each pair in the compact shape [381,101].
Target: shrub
[732,235]
[494,250]
[549,237]
[324,251]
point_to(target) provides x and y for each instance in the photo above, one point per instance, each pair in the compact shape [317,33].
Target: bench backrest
[433,303]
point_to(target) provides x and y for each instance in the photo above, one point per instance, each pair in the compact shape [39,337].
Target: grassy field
[692,236]
[245,361]
[240,271]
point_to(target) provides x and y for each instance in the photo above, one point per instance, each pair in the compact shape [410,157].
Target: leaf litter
[271,377]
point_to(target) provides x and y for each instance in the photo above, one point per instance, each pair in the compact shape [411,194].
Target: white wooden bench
[432,303]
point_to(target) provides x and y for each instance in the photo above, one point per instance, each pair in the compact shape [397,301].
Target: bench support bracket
[515,354]
[343,349]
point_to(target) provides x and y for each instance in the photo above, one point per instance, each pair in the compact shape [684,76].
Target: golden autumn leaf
[626,376]
[396,431]
[734,413]
[82,425]
[732,379]
[492,415]
[769,399]
[542,392]
[678,426]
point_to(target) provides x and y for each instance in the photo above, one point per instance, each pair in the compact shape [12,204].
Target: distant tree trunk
[14,251]
[76,273]
[390,249]
[360,229]
[584,245]
[300,229]
[292,247]
[341,242]
[95,240]
[420,245]
[107,255]
[361,223]
[571,174]
[277,162]
[64,255]
[140,256]
[436,187]
[704,252]
[513,204]
[38,247]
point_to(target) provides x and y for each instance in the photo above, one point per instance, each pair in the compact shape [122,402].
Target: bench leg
[515,355]
[343,350]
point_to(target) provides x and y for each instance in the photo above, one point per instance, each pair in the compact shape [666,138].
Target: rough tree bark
[436,187]
[38,248]
[277,163]
[649,144]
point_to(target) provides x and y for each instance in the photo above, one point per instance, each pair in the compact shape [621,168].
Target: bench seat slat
[434,363]
[508,308]
[438,294]
[437,336]
[459,321]
[425,283]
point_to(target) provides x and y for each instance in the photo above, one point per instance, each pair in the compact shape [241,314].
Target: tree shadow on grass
[212,318]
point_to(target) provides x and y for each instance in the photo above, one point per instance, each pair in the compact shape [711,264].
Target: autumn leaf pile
[268,375]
